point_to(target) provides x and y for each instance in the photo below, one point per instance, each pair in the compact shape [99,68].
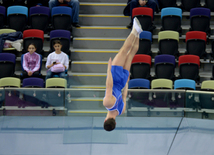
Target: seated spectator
[75,8]
[57,61]
[31,62]
[131,4]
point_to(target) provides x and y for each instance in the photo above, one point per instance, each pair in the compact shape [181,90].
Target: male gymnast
[118,77]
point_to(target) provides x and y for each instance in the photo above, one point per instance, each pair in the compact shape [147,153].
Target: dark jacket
[126,10]
[9,36]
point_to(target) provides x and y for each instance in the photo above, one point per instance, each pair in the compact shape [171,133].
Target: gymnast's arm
[124,95]
[108,100]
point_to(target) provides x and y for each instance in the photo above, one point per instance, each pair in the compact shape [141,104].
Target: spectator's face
[31,49]
[57,47]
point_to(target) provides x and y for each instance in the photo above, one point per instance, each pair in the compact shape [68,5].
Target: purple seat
[2,16]
[165,66]
[7,64]
[65,38]
[200,12]
[39,17]
[33,82]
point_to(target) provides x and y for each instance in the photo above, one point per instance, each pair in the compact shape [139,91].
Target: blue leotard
[120,77]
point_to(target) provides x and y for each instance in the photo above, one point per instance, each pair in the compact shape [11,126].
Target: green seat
[56,83]
[10,82]
[6,31]
[207,85]
[168,35]
[161,84]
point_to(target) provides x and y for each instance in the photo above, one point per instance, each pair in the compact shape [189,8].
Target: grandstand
[170,97]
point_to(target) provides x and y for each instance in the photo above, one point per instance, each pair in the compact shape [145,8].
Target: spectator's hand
[67,0]
[60,1]
[142,2]
[30,73]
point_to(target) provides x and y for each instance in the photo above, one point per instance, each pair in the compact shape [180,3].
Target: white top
[62,58]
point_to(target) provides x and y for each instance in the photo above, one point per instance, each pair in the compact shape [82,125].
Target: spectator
[31,62]
[75,9]
[139,3]
[57,61]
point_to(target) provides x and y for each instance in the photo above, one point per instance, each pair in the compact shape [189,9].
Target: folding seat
[161,84]
[168,42]
[196,43]
[2,16]
[187,5]
[33,36]
[61,17]
[186,84]
[7,64]
[139,84]
[140,67]
[189,67]
[65,38]
[209,4]
[10,82]
[171,19]
[22,57]
[207,99]
[17,17]
[145,41]
[33,82]
[39,17]
[145,17]
[200,20]
[167,3]
[165,66]
[56,83]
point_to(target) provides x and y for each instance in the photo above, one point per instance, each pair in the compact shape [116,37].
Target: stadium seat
[200,20]
[140,67]
[209,4]
[171,19]
[10,82]
[145,17]
[33,83]
[2,16]
[56,83]
[207,99]
[33,36]
[145,41]
[187,5]
[39,17]
[186,84]
[61,17]
[12,49]
[139,84]
[196,43]
[189,67]
[17,17]
[168,42]
[207,85]
[165,66]
[161,84]
[65,38]
[7,64]
[167,3]
[22,57]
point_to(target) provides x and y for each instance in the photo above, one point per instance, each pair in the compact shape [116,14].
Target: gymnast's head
[109,124]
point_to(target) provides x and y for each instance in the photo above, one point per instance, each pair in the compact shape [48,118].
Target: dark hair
[109,124]
[31,44]
[57,42]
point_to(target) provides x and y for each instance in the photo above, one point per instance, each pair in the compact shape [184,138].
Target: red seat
[189,59]
[196,35]
[142,11]
[33,33]
[142,58]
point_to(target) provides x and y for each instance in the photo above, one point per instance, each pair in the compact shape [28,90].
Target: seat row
[37,37]
[165,67]
[186,5]
[186,84]
[17,17]
[168,42]
[171,19]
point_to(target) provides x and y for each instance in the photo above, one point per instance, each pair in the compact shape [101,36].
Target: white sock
[137,26]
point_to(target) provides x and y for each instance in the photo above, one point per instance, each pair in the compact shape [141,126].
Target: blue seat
[39,17]
[171,18]
[17,17]
[33,82]
[65,38]
[61,17]
[165,66]
[22,57]
[200,20]
[139,84]
[184,84]
[2,16]
[145,41]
